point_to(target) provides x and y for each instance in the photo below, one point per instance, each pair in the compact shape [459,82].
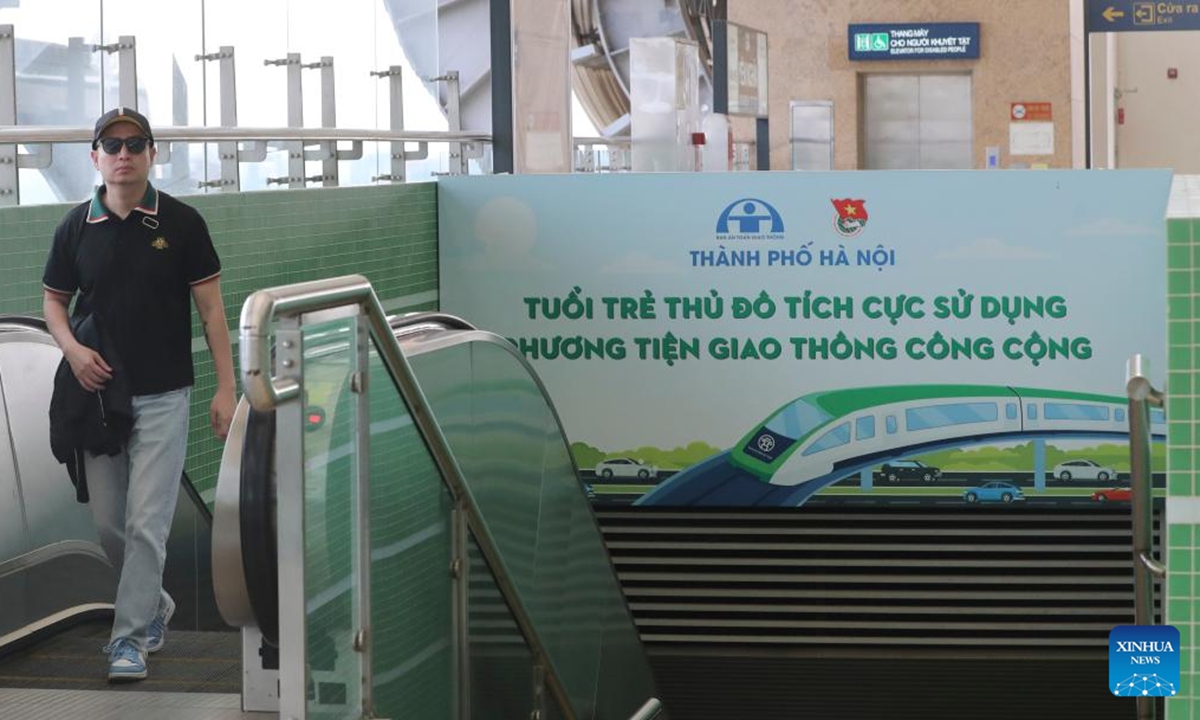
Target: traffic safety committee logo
[851,216]
[1143,661]
[750,218]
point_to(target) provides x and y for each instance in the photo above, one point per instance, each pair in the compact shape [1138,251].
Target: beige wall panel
[1025,56]
[541,86]
[1161,113]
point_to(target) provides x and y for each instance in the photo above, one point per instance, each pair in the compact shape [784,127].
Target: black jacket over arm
[96,422]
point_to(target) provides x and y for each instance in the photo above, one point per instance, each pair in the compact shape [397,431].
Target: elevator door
[917,122]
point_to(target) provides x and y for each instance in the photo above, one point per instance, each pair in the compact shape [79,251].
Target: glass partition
[411,620]
[170,81]
[330,573]
[415,23]
[64,77]
[501,662]
[59,82]
[412,613]
[258,33]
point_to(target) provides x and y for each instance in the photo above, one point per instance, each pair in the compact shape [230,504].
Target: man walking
[136,258]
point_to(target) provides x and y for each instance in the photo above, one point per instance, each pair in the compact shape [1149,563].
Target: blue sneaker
[126,661]
[156,635]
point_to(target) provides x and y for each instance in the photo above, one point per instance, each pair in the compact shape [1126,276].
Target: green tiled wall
[387,233]
[1183,439]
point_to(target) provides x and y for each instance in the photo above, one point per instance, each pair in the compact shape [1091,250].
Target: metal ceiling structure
[439,36]
[603,30]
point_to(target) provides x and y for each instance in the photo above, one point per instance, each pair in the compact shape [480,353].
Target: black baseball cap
[121,114]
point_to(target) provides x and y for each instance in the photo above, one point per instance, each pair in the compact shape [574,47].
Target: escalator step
[201,662]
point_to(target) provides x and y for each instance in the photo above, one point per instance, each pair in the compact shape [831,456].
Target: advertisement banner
[782,339]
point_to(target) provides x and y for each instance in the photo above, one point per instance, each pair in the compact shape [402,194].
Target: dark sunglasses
[112,145]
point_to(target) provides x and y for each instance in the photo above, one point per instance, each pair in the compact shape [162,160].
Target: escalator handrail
[29,321]
[436,320]
[266,392]
[193,496]
[652,709]
[256,531]
[1146,570]
[1142,396]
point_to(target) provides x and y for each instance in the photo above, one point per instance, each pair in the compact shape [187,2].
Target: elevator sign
[1142,15]
[914,41]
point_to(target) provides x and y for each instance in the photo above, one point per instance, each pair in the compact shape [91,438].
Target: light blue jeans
[132,497]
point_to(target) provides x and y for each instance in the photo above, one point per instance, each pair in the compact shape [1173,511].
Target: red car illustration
[1120,494]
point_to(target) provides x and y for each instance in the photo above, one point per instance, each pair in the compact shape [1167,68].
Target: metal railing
[250,144]
[240,145]
[31,134]
[300,145]
[598,154]
[1146,570]
[278,313]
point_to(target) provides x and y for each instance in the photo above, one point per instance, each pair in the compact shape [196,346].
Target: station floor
[31,704]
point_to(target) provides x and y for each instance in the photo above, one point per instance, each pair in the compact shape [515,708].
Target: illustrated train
[817,433]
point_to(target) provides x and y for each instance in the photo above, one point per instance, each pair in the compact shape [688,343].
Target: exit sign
[1142,15]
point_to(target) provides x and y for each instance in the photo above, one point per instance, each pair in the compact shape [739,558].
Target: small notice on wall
[1031,138]
[1029,112]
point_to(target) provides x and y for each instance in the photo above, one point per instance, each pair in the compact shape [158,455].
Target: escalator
[487,593]
[45,536]
[56,585]
[490,594]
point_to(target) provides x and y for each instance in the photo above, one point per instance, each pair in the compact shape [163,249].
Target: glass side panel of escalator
[410,546]
[518,468]
[501,663]
[411,549]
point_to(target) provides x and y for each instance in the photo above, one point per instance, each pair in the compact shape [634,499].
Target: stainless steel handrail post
[460,599]
[264,391]
[230,180]
[9,177]
[364,639]
[290,511]
[1146,570]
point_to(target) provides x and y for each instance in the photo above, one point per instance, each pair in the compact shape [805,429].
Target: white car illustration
[625,467]
[1083,470]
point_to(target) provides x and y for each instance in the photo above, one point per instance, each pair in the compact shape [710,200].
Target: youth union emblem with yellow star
[851,217]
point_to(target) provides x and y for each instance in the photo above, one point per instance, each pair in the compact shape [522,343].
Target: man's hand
[90,369]
[216,331]
[88,366]
[220,413]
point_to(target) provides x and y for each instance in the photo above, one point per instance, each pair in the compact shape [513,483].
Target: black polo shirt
[137,275]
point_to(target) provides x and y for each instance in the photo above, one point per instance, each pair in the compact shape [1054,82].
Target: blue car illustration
[994,491]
